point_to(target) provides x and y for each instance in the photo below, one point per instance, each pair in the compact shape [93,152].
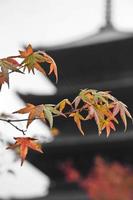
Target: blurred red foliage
[71,174]
[106,181]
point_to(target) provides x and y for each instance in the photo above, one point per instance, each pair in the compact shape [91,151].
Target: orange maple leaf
[3,79]
[34,112]
[61,105]
[108,124]
[24,143]
[32,60]
[77,118]
[53,67]
[27,52]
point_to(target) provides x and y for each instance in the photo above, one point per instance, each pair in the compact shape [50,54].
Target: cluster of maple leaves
[89,104]
[111,181]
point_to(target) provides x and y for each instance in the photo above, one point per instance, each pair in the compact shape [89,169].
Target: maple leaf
[6,65]
[86,96]
[91,96]
[108,124]
[3,79]
[107,95]
[77,118]
[61,105]
[27,52]
[13,61]
[24,143]
[121,108]
[94,113]
[34,112]
[76,101]
[50,110]
[48,114]
[98,96]
[32,60]
[43,112]
[53,67]
[101,114]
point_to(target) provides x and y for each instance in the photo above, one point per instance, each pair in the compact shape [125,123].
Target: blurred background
[91,42]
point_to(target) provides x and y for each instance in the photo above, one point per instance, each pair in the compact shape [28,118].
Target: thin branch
[19,120]
[26,119]
[14,56]
[10,122]
[18,69]
[23,131]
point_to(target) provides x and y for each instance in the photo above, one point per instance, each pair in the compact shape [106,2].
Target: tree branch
[9,121]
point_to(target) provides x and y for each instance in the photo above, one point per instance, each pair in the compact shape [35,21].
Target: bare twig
[10,122]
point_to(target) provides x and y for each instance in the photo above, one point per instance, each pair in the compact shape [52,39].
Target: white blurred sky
[49,22]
